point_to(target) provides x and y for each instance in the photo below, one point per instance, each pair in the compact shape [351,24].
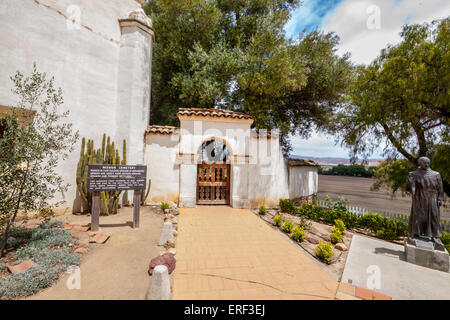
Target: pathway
[117,269]
[226,253]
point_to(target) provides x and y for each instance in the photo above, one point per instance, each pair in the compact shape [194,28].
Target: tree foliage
[235,55]
[402,100]
[30,151]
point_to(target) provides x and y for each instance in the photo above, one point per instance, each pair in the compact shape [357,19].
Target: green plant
[31,149]
[144,194]
[324,251]
[262,209]
[298,234]
[336,236]
[277,220]
[51,224]
[340,225]
[287,227]
[164,205]
[288,206]
[108,154]
[382,227]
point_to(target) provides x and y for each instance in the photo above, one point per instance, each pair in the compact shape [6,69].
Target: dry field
[357,191]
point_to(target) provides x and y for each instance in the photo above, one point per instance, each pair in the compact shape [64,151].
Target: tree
[30,151]
[239,58]
[402,99]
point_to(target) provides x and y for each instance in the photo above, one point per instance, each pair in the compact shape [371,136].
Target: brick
[80,250]
[380,296]
[22,266]
[363,293]
[80,228]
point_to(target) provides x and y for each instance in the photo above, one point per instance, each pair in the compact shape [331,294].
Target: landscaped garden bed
[326,233]
[46,251]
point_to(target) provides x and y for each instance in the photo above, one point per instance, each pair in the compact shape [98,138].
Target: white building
[100,54]
[251,171]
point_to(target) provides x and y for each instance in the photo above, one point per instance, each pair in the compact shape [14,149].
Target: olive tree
[31,147]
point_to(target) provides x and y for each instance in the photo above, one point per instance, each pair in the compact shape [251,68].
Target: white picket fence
[392,215]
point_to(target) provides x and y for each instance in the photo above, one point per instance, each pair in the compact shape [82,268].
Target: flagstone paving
[226,253]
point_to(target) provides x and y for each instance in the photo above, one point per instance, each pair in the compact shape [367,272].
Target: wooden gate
[213,183]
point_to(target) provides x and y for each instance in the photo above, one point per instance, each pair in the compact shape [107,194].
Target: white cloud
[349,21]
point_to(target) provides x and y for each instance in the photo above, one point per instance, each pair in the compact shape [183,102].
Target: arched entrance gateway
[215,157]
[213,173]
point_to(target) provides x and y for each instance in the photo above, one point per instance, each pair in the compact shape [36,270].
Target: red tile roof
[213,113]
[301,163]
[161,129]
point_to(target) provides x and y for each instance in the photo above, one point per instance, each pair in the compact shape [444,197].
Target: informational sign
[116,177]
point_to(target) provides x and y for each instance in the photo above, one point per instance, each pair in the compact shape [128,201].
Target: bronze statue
[427,192]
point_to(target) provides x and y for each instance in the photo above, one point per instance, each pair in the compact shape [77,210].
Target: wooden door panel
[213,183]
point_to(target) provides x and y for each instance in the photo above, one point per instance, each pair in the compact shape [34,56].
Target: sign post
[115,177]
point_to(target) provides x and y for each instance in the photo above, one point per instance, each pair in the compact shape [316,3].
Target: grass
[48,246]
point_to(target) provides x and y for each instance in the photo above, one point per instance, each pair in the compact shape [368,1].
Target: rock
[99,238]
[312,240]
[176,212]
[173,251]
[167,259]
[80,228]
[80,250]
[175,233]
[91,234]
[341,246]
[21,266]
[166,233]
[174,221]
[159,284]
[170,244]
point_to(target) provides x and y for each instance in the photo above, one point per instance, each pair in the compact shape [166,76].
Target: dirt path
[118,268]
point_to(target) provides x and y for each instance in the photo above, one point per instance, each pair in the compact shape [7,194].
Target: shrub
[277,220]
[382,227]
[51,224]
[324,251]
[164,205]
[445,238]
[299,233]
[43,238]
[50,264]
[340,225]
[288,206]
[262,209]
[340,204]
[287,227]
[336,236]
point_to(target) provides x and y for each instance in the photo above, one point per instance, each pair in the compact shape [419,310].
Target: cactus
[144,194]
[107,154]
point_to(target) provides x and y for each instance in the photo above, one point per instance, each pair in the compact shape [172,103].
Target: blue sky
[364,27]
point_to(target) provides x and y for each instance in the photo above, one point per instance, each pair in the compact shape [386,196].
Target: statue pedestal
[427,254]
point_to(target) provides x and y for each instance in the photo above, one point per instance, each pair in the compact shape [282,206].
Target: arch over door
[213,183]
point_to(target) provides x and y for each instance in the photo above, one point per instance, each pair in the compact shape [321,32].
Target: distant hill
[334,161]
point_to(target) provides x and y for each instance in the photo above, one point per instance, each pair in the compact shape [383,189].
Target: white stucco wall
[102,97]
[161,153]
[303,181]
[269,177]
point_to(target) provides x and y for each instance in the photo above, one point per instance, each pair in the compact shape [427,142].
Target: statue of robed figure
[427,192]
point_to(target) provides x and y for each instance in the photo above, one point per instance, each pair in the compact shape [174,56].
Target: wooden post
[136,208]
[95,214]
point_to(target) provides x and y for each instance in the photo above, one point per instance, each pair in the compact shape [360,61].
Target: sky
[364,27]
